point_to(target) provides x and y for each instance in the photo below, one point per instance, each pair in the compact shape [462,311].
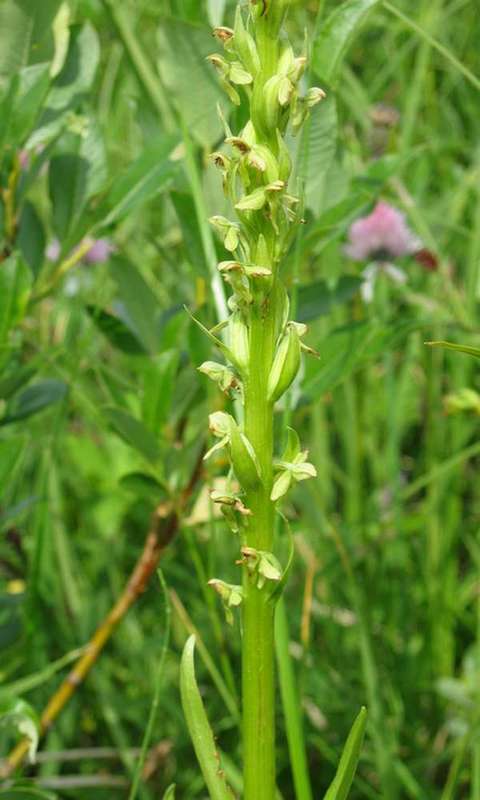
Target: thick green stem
[258,662]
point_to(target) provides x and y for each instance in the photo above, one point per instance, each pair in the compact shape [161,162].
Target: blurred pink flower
[24,159]
[53,250]
[99,251]
[382,235]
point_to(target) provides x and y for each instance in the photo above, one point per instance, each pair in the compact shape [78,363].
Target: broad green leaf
[75,175]
[139,307]
[31,237]
[343,780]
[133,432]
[70,86]
[317,151]
[335,36]
[317,299]
[7,104]
[199,728]
[79,69]
[459,348]
[192,83]
[44,15]
[16,29]
[17,714]
[33,85]
[34,399]
[159,384]
[145,178]
[115,330]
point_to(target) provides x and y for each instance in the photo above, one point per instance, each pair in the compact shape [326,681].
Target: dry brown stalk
[163,527]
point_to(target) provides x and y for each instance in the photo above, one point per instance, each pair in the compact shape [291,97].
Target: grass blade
[198,725]
[343,780]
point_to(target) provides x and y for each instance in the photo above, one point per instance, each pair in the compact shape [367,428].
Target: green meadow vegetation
[180,627]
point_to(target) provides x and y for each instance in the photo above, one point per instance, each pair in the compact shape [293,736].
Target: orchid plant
[262,348]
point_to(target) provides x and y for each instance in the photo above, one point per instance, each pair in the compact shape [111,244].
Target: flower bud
[239,340]
[231,595]
[284,159]
[314,96]
[262,159]
[285,364]
[271,107]
[244,460]
[263,256]
[285,91]
[220,160]
[220,64]
[220,374]
[239,143]
[219,424]
[239,75]
[261,565]
[252,202]
[245,45]
[298,68]
[229,230]
[463,400]
[223,35]
[281,485]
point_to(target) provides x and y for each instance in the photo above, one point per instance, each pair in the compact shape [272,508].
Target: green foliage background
[103,413]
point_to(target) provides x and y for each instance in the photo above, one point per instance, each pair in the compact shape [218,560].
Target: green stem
[291,707]
[258,660]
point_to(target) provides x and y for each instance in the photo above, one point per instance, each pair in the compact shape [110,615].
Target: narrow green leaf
[170,793]
[11,450]
[460,348]
[199,728]
[14,378]
[145,178]
[133,432]
[343,780]
[159,385]
[15,282]
[335,37]
[34,399]
[216,10]
[26,793]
